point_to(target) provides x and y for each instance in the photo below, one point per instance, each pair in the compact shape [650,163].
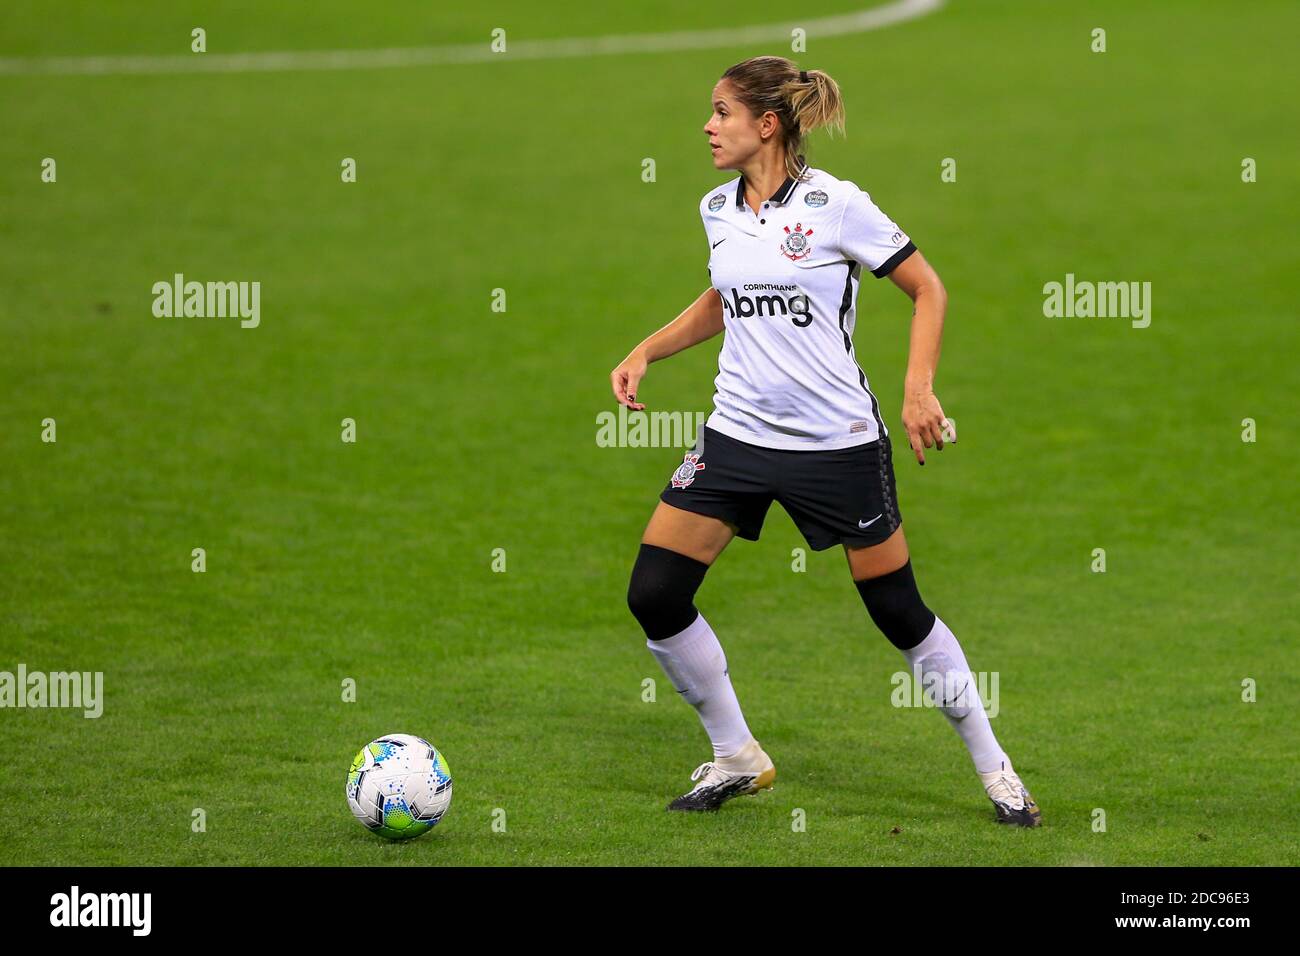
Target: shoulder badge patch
[815,198]
[717,202]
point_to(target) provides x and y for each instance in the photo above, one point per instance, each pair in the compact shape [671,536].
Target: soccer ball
[399,786]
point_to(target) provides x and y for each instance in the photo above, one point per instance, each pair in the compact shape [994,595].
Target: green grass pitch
[1120,691]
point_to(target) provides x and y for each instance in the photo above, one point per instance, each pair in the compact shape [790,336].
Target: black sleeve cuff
[892,263]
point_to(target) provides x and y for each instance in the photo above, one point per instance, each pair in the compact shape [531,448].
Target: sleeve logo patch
[717,202]
[815,198]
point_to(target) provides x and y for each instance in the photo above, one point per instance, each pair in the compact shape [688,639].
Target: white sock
[694,662]
[940,654]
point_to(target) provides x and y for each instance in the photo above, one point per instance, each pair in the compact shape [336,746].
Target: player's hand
[925,421]
[627,378]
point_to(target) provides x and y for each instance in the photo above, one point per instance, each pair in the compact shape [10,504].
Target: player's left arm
[922,415]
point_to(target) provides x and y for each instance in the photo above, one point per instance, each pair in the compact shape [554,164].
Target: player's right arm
[700,321]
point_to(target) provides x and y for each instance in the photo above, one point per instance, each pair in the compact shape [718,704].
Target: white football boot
[747,771]
[1010,798]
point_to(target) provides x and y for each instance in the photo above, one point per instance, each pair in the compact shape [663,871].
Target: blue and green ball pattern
[399,786]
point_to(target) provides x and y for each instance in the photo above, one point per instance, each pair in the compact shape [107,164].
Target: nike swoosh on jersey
[868,524]
[718,243]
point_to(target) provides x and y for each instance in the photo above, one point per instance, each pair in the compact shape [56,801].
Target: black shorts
[845,495]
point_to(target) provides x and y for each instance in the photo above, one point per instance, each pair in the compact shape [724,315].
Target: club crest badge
[815,198]
[685,472]
[795,245]
[717,202]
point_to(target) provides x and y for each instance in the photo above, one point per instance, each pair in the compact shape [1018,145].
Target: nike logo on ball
[868,524]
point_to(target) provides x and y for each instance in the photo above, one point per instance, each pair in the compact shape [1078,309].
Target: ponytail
[803,100]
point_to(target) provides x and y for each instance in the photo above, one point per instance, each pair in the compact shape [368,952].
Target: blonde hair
[803,100]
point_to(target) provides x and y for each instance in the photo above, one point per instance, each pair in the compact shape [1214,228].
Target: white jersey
[788,276]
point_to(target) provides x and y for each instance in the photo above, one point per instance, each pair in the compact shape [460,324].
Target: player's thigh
[695,535]
[877,559]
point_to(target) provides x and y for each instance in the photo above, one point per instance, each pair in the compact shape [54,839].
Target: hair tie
[803,76]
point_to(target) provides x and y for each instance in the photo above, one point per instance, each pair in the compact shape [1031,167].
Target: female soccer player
[794,420]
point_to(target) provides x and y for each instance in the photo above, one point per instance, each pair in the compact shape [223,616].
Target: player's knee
[661,591]
[896,607]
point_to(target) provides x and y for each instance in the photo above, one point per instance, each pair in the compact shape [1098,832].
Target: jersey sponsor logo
[897,238]
[795,244]
[685,472]
[717,202]
[718,243]
[815,198]
[796,306]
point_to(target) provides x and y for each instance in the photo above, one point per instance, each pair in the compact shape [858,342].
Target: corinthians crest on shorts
[795,245]
[685,472]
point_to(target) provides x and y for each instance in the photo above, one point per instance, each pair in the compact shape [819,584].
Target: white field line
[269,62]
